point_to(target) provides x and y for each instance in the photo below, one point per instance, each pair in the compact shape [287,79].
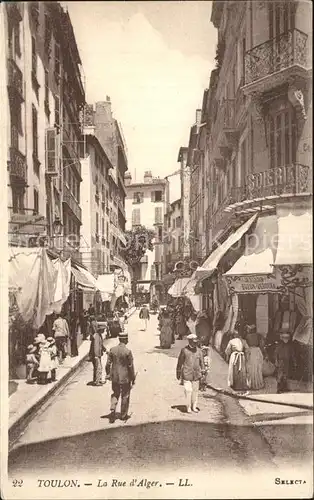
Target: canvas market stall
[38,286]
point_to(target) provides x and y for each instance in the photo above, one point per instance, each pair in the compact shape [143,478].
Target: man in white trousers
[190,368]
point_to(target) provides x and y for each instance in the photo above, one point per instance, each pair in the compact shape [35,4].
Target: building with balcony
[43,81]
[110,136]
[146,205]
[258,111]
[254,139]
[173,236]
[95,230]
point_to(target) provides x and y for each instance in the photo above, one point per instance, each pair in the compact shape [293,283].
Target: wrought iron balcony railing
[72,203]
[284,51]
[288,180]
[15,79]
[17,165]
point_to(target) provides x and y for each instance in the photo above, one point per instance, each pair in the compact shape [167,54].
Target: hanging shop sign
[292,276]
[252,283]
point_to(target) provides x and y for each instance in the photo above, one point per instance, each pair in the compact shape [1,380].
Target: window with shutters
[244,160]
[282,134]
[36,202]
[97,223]
[35,139]
[136,217]
[158,215]
[138,197]
[57,111]
[156,196]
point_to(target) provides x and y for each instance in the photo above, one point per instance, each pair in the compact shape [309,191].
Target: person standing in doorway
[120,369]
[144,315]
[190,368]
[61,335]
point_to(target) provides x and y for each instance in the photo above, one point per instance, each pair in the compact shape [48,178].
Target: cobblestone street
[158,432]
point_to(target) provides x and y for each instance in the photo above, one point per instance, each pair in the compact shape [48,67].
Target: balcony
[271,63]
[17,166]
[261,192]
[69,199]
[15,80]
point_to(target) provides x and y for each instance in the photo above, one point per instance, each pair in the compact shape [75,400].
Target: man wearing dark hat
[120,369]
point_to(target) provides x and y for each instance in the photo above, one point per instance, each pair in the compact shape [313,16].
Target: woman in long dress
[235,354]
[165,331]
[254,359]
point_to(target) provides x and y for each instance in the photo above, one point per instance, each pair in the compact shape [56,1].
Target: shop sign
[292,276]
[252,283]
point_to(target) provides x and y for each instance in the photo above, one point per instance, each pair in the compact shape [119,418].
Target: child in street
[31,364]
[53,356]
[205,352]
[284,360]
[44,362]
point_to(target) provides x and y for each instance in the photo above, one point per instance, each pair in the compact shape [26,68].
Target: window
[35,132]
[46,87]
[34,57]
[97,223]
[138,197]
[103,227]
[282,135]
[158,215]
[281,18]
[17,43]
[107,230]
[36,202]
[156,196]
[57,111]
[57,61]
[243,161]
[136,217]
[173,223]
[14,136]
[173,245]
[18,194]
[178,222]
[159,234]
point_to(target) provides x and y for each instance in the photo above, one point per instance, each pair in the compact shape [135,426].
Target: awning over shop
[176,290]
[105,284]
[295,235]
[253,272]
[82,279]
[211,263]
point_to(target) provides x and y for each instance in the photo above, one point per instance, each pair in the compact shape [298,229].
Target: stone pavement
[28,398]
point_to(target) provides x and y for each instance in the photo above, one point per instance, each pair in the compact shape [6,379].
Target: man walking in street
[61,335]
[144,315]
[190,368]
[97,349]
[120,369]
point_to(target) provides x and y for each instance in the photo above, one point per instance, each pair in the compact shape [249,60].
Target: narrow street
[72,434]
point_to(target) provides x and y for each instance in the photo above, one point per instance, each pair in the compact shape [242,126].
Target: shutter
[158,215]
[51,152]
[153,196]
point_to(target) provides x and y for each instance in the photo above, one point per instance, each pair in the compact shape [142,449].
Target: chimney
[148,177]
[127,179]
[198,117]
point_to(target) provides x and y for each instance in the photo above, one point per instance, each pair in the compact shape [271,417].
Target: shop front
[270,284]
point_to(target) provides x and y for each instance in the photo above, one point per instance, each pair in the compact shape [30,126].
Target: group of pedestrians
[247,356]
[41,360]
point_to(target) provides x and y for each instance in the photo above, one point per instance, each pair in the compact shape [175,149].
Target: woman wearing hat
[254,358]
[165,331]
[31,364]
[235,354]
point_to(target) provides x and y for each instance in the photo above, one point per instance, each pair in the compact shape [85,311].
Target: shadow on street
[157,444]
